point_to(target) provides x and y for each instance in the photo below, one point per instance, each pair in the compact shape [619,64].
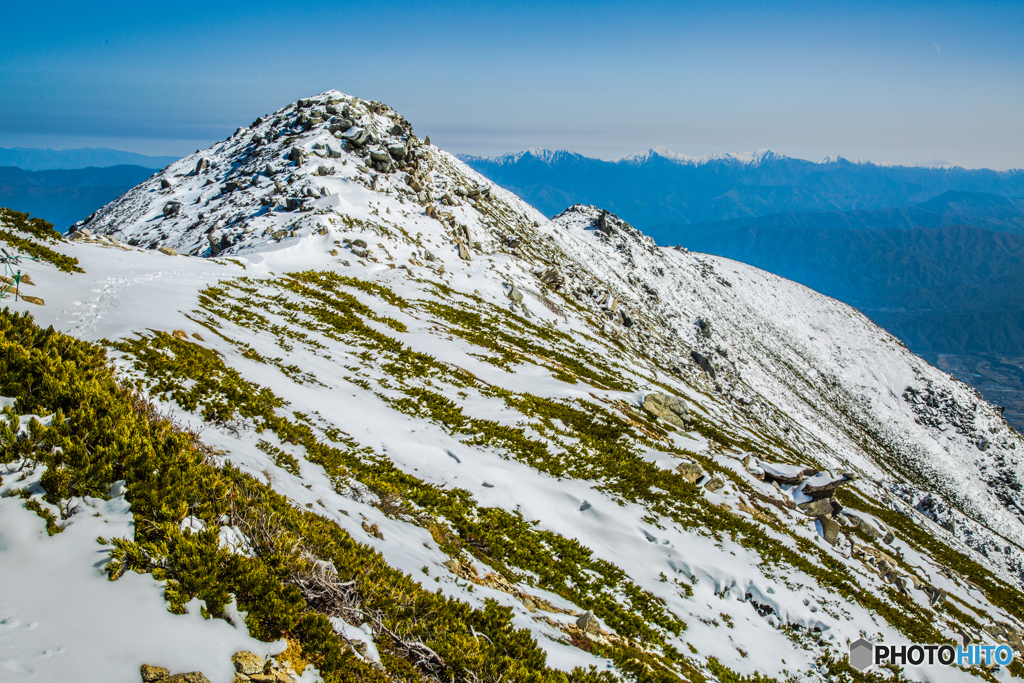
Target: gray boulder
[217,243]
[714,483]
[164,183]
[356,136]
[171,208]
[516,295]
[588,623]
[340,126]
[413,183]
[868,529]
[551,277]
[202,165]
[817,508]
[690,471]
[669,408]
[824,490]
[829,529]
[247,663]
[296,155]
[703,363]
[936,596]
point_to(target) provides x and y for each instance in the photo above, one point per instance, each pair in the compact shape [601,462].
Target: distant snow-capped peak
[754,158]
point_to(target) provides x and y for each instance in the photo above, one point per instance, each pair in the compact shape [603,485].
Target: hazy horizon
[899,82]
[929,163]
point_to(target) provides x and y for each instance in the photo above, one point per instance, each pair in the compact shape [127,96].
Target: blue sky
[905,82]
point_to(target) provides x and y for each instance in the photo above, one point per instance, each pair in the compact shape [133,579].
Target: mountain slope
[599,452]
[940,286]
[662,187]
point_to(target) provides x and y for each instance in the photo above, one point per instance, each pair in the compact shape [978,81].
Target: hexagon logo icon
[862,654]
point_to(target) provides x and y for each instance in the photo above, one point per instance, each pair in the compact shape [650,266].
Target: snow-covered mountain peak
[644,459]
[268,181]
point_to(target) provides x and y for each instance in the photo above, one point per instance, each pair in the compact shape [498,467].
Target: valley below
[1000,379]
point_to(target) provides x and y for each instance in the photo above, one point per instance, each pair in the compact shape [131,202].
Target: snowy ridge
[590,315]
[849,376]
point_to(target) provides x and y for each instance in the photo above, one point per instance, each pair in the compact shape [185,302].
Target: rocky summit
[320,402]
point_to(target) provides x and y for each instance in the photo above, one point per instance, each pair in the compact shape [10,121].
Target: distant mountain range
[934,255]
[662,187]
[988,211]
[34,159]
[63,197]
